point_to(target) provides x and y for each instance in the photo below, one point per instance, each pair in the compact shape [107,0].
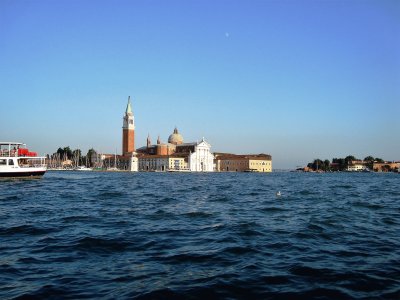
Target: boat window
[10,162]
[3,162]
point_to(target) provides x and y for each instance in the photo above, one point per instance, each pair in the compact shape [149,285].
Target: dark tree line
[340,164]
[67,153]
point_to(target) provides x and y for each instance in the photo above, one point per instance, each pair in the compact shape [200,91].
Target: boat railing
[32,165]
[14,153]
[6,153]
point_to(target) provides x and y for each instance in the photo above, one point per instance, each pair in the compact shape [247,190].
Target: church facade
[175,155]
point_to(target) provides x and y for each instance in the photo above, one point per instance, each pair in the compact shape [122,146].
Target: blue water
[195,236]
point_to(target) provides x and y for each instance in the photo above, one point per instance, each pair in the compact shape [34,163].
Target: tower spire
[148,140]
[129,106]
[128,130]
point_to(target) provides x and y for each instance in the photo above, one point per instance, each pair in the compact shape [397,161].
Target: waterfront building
[157,149]
[127,160]
[386,166]
[176,155]
[162,163]
[200,157]
[226,162]
[197,155]
[357,166]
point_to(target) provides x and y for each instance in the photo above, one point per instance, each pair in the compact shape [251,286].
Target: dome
[175,138]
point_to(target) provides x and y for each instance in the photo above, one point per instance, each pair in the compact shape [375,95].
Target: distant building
[200,157]
[386,166]
[128,160]
[163,163]
[225,162]
[357,166]
[176,155]
[128,131]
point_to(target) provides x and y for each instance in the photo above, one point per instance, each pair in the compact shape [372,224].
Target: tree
[77,152]
[327,165]
[77,155]
[350,158]
[64,153]
[370,162]
[67,152]
[91,155]
[318,164]
[379,160]
[342,165]
[369,158]
[60,152]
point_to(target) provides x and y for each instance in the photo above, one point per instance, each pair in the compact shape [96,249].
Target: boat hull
[24,174]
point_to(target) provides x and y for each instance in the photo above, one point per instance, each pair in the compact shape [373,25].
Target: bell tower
[128,130]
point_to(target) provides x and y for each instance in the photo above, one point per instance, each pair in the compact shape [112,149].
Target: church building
[176,155]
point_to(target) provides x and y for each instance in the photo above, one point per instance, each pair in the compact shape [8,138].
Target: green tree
[350,158]
[77,152]
[370,162]
[77,156]
[369,158]
[342,165]
[379,160]
[60,151]
[67,152]
[91,155]
[318,165]
[327,165]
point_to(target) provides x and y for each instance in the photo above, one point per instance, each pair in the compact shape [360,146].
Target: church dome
[175,138]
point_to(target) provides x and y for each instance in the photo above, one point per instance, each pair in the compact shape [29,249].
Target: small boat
[16,161]
[83,168]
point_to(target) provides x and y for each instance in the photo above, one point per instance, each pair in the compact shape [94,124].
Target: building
[127,160]
[128,130]
[386,166]
[197,156]
[200,157]
[357,166]
[175,155]
[160,148]
[162,163]
[226,162]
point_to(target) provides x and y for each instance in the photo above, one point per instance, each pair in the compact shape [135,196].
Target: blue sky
[295,79]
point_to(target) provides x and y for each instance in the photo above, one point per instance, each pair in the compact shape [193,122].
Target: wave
[25,229]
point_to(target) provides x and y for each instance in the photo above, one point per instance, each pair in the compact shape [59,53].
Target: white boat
[16,161]
[83,168]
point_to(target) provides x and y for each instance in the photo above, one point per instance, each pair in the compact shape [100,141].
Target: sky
[299,80]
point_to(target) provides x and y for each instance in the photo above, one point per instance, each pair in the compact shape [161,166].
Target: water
[195,236]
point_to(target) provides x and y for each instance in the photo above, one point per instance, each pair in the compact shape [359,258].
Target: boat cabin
[16,155]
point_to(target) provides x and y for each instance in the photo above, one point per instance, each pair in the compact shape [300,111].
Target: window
[10,162]
[3,162]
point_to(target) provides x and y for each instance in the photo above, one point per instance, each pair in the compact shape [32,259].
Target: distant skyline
[295,79]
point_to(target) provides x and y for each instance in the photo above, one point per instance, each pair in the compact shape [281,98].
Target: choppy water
[181,236]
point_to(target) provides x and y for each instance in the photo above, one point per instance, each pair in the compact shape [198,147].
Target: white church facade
[201,159]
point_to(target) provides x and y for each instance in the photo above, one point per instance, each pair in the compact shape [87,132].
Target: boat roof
[11,143]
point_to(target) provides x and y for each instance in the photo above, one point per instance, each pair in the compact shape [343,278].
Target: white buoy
[278,193]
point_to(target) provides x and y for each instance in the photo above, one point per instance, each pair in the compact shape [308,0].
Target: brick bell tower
[128,130]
